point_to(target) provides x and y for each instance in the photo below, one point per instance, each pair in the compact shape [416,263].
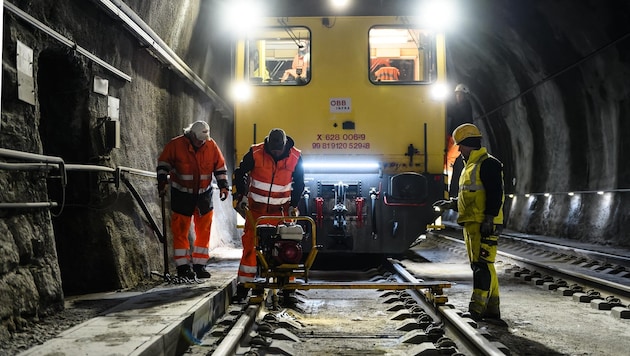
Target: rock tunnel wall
[98,238]
[549,87]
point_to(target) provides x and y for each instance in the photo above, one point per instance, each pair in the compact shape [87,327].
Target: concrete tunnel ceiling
[549,86]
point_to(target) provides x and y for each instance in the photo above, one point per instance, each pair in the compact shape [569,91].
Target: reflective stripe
[181,261]
[268,200]
[471,187]
[200,260]
[183,189]
[199,249]
[247,269]
[180,252]
[244,279]
[184,176]
[270,187]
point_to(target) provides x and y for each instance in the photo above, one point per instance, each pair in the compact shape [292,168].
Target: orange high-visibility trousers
[248,266]
[180,225]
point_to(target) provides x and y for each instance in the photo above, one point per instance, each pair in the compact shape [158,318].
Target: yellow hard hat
[465,131]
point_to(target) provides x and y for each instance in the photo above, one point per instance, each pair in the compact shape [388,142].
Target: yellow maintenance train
[360,96]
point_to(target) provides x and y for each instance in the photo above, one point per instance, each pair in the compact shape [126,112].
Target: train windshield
[401,55]
[279,56]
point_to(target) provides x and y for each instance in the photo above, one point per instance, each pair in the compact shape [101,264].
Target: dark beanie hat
[276,139]
[474,142]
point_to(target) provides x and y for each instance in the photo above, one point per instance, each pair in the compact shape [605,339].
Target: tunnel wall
[98,238]
[549,86]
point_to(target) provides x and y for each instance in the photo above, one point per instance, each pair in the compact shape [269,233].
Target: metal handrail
[45,165]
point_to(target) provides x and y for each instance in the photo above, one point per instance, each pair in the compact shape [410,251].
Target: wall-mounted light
[571,194]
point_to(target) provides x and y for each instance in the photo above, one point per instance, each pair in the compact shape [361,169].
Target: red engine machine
[280,248]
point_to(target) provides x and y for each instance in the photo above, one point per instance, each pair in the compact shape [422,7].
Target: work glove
[243,203]
[487,226]
[162,187]
[293,211]
[445,204]
[223,193]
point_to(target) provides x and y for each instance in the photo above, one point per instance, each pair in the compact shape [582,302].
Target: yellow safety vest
[471,202]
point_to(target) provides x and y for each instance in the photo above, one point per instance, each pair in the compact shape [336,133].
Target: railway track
[405,322]
[349,321]
[589,268]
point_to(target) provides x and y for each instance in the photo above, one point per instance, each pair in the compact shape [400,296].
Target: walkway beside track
[161,321]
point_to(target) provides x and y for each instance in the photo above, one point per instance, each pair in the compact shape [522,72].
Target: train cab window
[401,55]
[279,56]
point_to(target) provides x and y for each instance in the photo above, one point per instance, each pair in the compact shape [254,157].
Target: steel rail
[449,316]
[609,285]
[230,342]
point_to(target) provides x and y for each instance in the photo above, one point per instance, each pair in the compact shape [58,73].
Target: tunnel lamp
[571,194]
[439,14]
[546,194]
[339,4]
[243,15]
[527,195]
[511,196]
[600,193]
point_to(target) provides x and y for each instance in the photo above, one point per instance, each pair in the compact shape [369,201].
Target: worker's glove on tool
[445,204]
[243,204]
[162,186]
[487,226]
[293,211]
[223,194]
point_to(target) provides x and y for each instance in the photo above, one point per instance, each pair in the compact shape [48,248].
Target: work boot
[201,272]
[184,271]
[494,318]
[472,315]
[241,293]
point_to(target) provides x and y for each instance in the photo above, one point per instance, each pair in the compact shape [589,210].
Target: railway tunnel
[548,82]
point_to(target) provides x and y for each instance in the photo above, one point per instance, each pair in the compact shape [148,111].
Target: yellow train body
[340,110]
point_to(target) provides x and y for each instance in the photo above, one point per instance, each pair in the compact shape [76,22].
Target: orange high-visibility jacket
[191,174]
[387,73]
[271,182]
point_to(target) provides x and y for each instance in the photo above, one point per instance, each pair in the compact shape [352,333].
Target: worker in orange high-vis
[191,159]
[269,182]
[458,113]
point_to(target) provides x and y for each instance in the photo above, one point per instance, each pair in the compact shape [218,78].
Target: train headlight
[241,91]
[439,92]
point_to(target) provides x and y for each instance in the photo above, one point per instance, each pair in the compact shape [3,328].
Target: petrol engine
[280,244]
